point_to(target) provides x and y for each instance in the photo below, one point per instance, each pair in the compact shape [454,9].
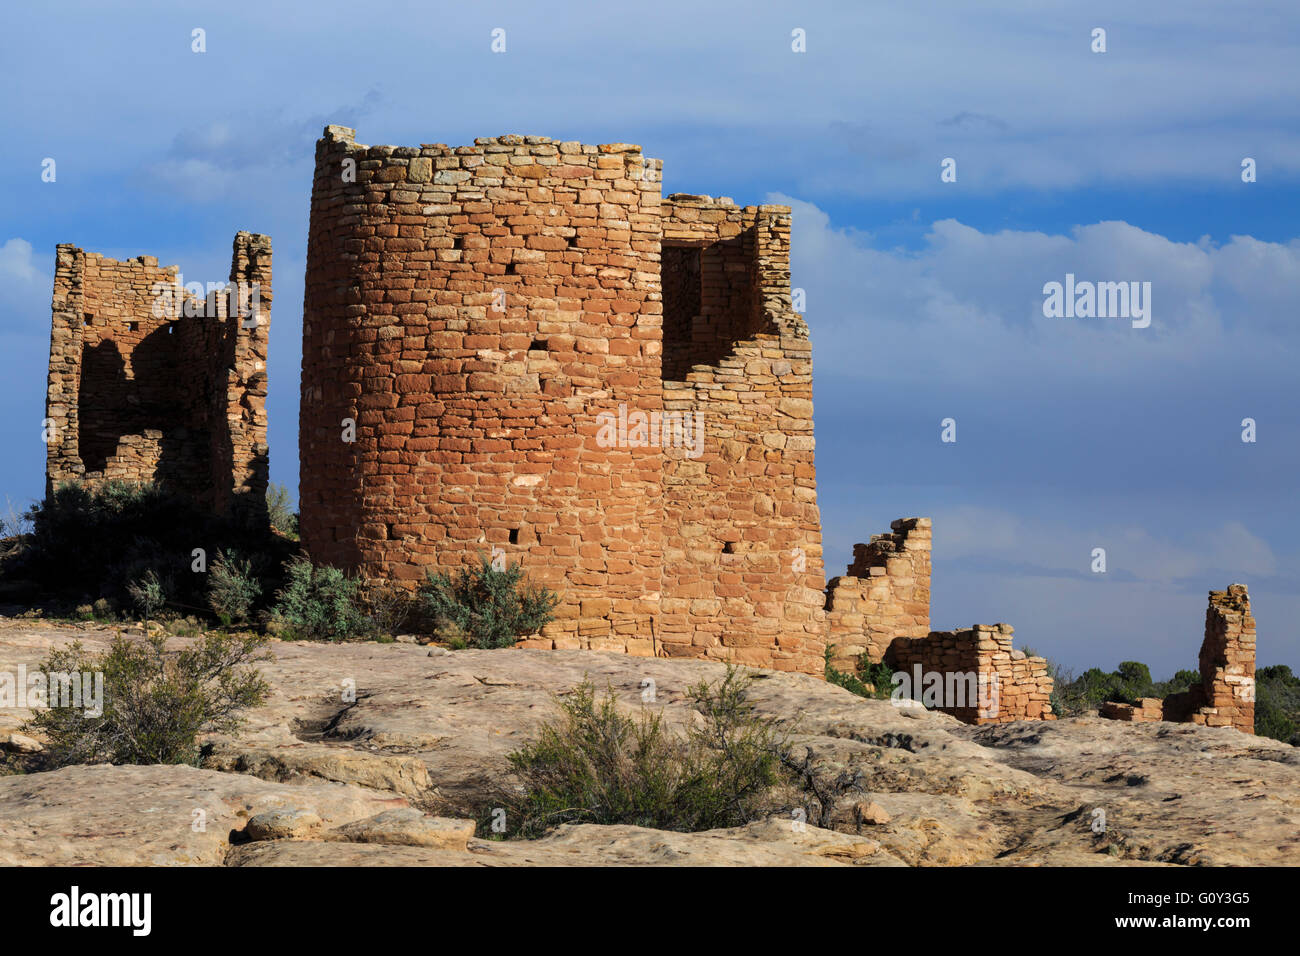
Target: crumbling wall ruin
[149,383]
[1225,697]
[880,610]
[489,352]
[884,595]
[985,680]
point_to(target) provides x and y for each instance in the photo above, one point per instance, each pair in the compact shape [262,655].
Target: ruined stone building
[880,610]
[522,346]
[515,345]
[1225,697]
[521,349]
[148,382]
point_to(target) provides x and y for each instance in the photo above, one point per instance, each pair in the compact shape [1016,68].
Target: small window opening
[87,319]
[133,326]
[514,535]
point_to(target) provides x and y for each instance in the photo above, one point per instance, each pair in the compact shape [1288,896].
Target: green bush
[598,765]
[105,540]
[1277,694]
[319,603]
[1126,684]
[1277,704]
[869,680]
[155,702]
[487,607]
[233,588]
[101,542]
[150,593]
[279,511]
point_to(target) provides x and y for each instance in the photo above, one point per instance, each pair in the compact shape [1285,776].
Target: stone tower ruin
[523,347]
[151,383]
[1225,696]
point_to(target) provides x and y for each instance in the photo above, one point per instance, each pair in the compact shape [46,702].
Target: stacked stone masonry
[985,681]
[1147,708]
[143,388]
[880,611]
[521,346]
[1225,697]
[521,349]
[884,595]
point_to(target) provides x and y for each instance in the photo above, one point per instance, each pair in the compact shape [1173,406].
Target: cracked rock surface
[354,732]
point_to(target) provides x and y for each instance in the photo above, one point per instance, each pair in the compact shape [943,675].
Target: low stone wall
[1007,684]
[1148,708]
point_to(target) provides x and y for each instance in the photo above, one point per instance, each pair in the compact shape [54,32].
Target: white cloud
[25,288]
[976,299]
[881,95]
[16,263]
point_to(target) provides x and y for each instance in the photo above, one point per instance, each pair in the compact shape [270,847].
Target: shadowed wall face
[148,383]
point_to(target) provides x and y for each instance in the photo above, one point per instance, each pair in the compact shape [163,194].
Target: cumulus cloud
[880,96]
[1073,434]
[25,286]
[980,294]
[16,263]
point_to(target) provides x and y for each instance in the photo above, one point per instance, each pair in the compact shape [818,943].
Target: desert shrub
[319,603]
[105,539]
[150,593]
[487,607]
[1126,684]
[233,588]
[1277,704]
[155,702]
[279,511]
[13,523]
[596,764]
[869,680]
[96,543]
[388,608]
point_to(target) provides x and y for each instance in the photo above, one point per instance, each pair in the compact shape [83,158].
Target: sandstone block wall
[480,312]
[138,394]
[881,609]
[884,595]
[742,569]
[1018,686]
[1147,708]
[1225,697]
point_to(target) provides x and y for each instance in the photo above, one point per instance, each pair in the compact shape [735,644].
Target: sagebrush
[233,587]
[155,702]
[487,606]
[597,764]
[320,603]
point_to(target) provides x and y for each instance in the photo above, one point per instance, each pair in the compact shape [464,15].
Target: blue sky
[924,297]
